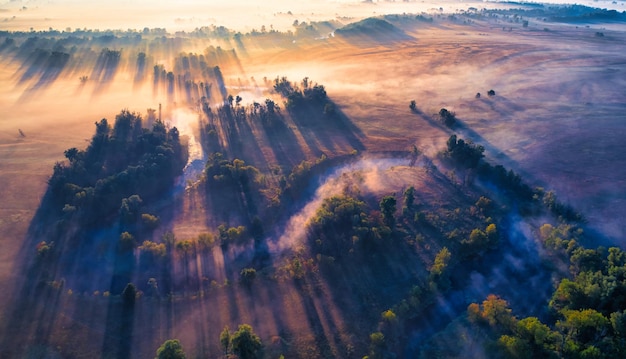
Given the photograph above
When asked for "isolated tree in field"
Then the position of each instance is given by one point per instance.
(448, 118)
(245, 343)
(413, 105)
(170, 349)
(388, 209)
(491, 93)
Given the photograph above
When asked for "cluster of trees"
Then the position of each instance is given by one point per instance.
(509, 181)
(220, 171)
(268, 113)
(464, 153)
(308, 97)
(587, 311)
(124, 166)
(244, 343)
(113, 184)
(469, 155)
(343, 225)
(233, 184)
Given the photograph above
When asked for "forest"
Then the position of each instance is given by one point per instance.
(112, 202)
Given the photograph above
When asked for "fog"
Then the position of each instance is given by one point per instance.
(243, 15)
(368, 175)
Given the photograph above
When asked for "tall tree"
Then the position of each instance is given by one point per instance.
(170, 349)
(246, 343)
(388, 209)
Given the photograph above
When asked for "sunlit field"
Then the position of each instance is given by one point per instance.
(169, 170)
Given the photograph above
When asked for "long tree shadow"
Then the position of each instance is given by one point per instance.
(118, 336)
(326, 126)
(322, 344)
(44, 69)
(105, 69)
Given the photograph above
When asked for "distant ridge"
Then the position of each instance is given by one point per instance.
(372, 29)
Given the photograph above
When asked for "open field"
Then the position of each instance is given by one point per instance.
(556, 118)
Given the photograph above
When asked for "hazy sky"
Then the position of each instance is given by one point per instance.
(242, 15)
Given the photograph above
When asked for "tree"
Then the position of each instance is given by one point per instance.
(128, 294)
(170, 349)
(496, 311)
(438, 270)
(206, 241)
(585, 326)
(247, 275)
(149, 221)
(484, 204)
(225, 338)
(491, 93)
(378, 347)
(245, 342)
(413, 105)
(492, 233)
(127, 241)
(448, 118)
(388, 209)
(71, 154)
(476, 243)
(409, 197)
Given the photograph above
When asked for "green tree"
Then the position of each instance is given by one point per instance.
(127, 241)
(149, 221)
(492, 233)
(247, 275)
(245, 343)
(496, 311)
(484, 204)
(170, 349)
(409, 197)
(378, 346)
(534, 340)
(438, 271)
(225, 339)
(477, 242)
(584, 326)
(206, 241)
(388, 209)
